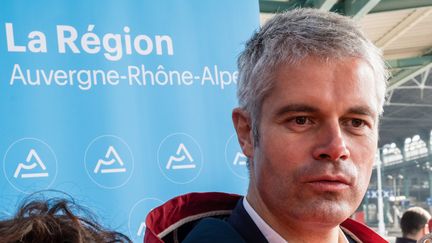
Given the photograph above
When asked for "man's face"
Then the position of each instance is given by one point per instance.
(317, 142)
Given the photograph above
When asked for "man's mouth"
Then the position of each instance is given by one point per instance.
(329, 183)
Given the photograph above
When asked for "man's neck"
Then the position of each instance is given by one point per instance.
(296, 230)
(415, 237)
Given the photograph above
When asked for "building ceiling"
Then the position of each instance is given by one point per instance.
(403, 30)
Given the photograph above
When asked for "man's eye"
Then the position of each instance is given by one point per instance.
(357, 123)
(301, 120)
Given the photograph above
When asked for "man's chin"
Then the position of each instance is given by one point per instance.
(325, 213)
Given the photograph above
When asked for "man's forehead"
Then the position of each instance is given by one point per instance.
(303, 87)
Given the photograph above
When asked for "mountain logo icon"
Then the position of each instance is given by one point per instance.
(32, 162)
(240, 159)
(109, 163)
(141, 229)
(181, 160)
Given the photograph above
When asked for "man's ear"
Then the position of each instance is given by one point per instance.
(243, 126)
(426, 229)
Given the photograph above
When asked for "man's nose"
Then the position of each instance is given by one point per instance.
(331, 144)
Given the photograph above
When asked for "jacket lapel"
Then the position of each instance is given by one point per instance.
(244, 225)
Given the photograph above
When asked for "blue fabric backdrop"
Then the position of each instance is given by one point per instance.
(121, 104)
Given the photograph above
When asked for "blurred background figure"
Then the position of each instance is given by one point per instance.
(414, 225)
(55, 220)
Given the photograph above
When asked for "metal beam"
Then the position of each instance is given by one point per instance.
(409, 62)
(359, 8)
(406, 75)
(324, 4)
(425, 120)
(402, 27)
(393, 5)
(409, 105)
(414, 87)
(274, 6)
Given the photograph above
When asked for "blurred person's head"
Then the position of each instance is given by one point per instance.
(55, 220)
(414, 223)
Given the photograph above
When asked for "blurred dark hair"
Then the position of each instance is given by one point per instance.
(413, 220)
(55, 220)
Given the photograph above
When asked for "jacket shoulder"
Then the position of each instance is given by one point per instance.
(173, 220)
(213, 230)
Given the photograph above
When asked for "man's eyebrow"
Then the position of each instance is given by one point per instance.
(359, 110)
(362, 110)
(296, 108)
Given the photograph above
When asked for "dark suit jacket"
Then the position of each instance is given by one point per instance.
(221, 217)
(404, 240)
(238, 228)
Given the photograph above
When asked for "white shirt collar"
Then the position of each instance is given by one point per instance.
(268, 232)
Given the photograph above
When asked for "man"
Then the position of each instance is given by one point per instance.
(414, 225)
(311, 90)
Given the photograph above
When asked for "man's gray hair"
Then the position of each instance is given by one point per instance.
(290, 37)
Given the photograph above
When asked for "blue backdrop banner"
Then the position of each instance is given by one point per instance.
(121, 104)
